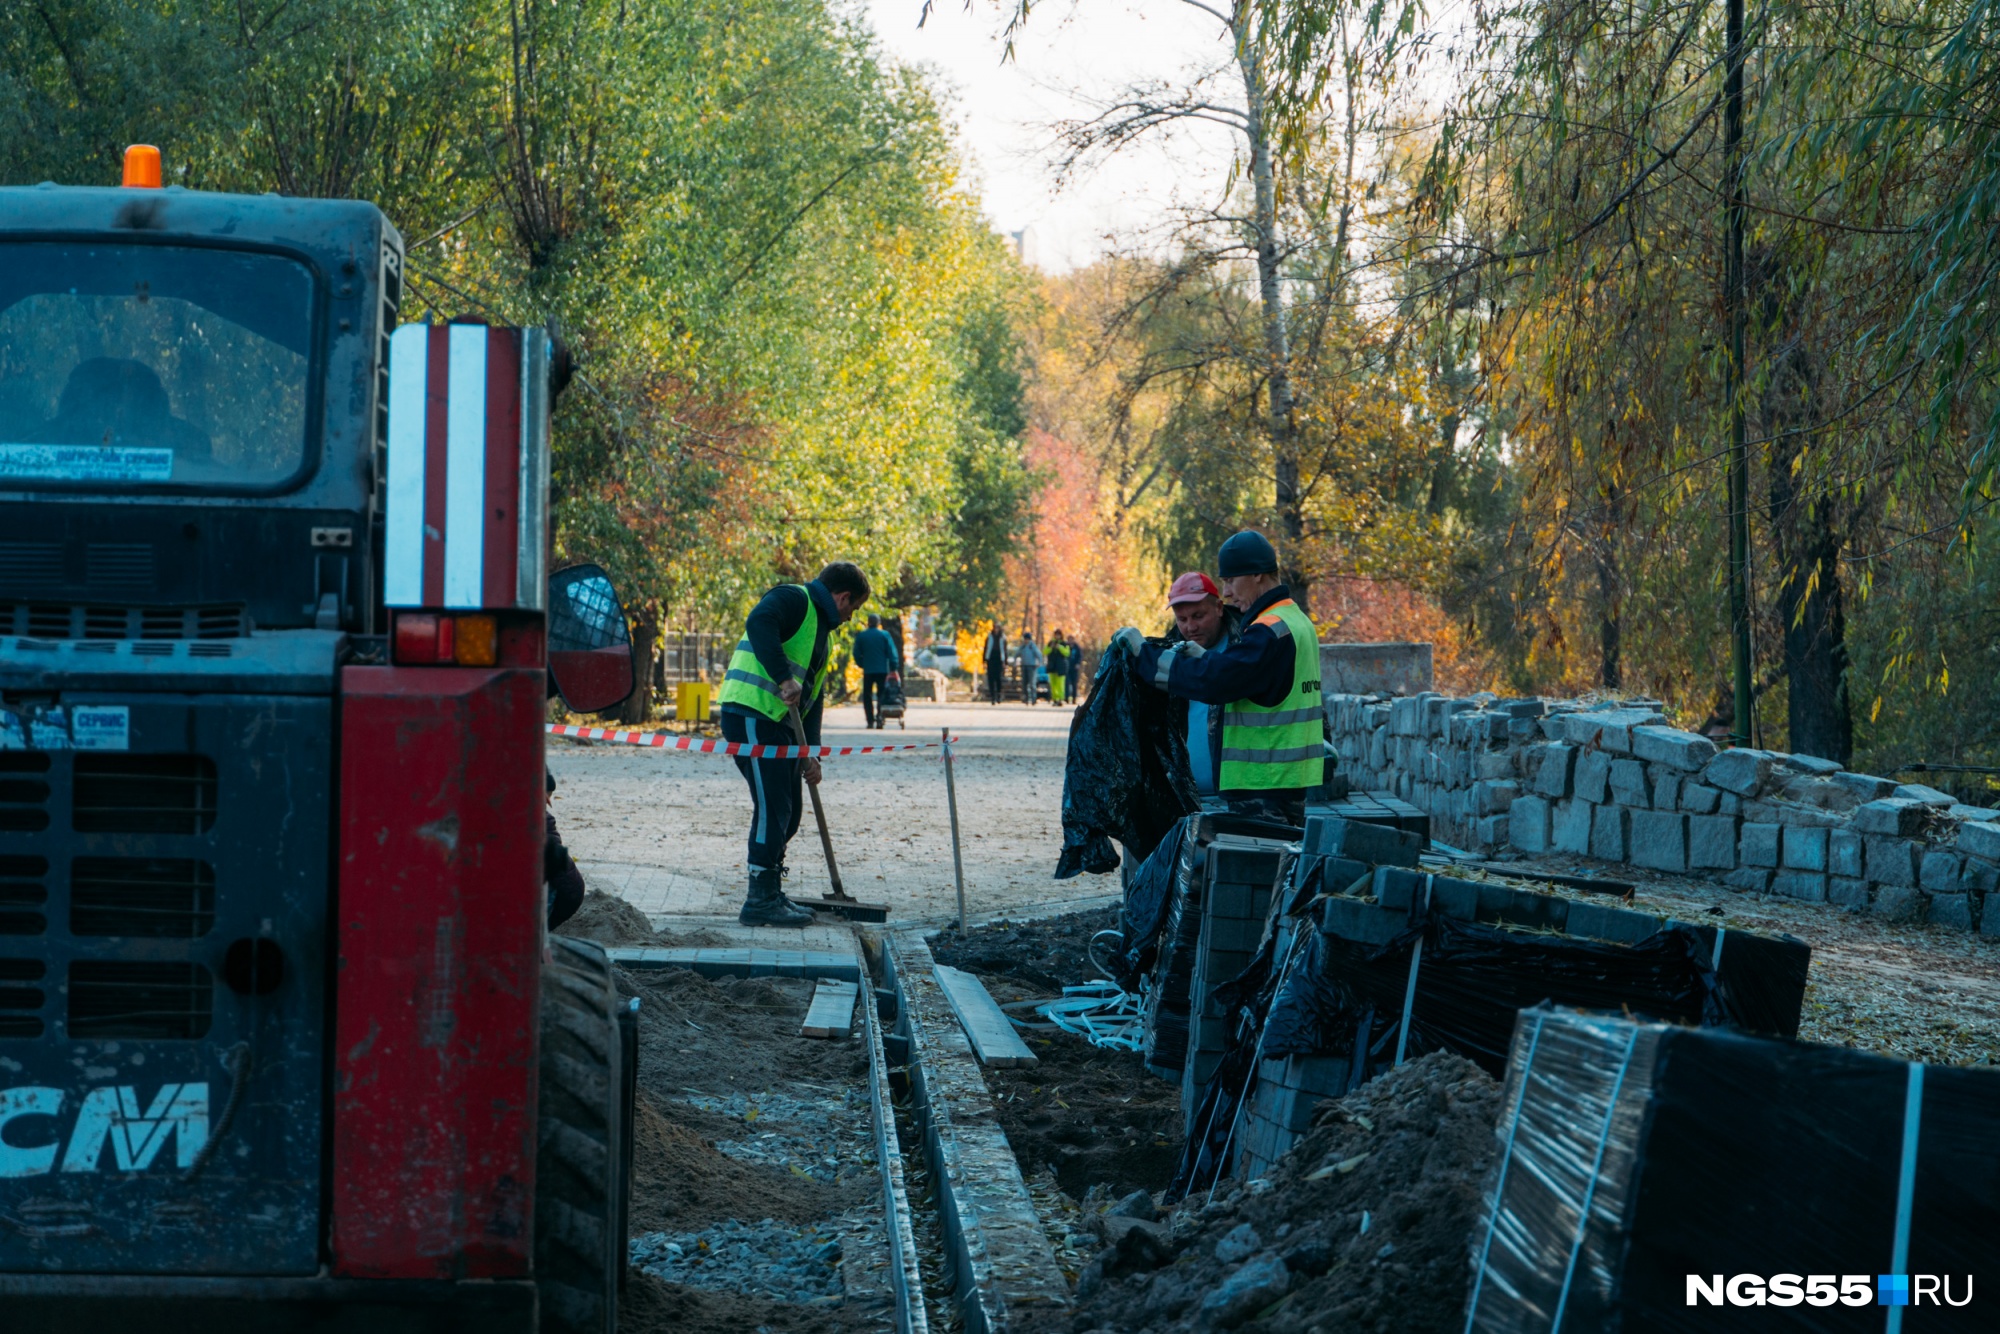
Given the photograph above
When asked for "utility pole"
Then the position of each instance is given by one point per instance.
(1733, 301)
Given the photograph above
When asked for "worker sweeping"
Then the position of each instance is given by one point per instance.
(1266, 684)
(780, 663)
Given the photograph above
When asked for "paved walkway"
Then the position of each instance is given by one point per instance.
(665, 829)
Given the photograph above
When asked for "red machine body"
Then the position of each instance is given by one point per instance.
(438, 975)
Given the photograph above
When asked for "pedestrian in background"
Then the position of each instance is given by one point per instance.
(995, 656)
(1031, 666)
(1057, 654)
(1073, 673)
(880, 660)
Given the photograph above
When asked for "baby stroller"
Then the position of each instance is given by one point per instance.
(889, 702)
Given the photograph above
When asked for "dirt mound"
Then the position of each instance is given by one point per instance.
(651, 1305)
(1364, 1227)
(736, 1035)
(1047, 955)
(683, 1181)
(1091, 1115)
(610, 920)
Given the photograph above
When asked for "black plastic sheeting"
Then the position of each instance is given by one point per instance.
(1472, 980)
(1637, 1155)
(1148, 899)
(1330, 996)
(1127, 776)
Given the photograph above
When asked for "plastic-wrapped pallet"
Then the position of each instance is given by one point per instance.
(1656, 1179)
(1240, 878)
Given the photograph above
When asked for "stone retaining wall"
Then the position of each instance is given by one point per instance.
(1621, 784)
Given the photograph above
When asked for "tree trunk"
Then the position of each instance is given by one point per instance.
(1610, 595)
(638, 706)
(1270, 289)
(1811, 604)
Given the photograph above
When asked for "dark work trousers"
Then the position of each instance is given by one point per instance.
(871, 693)
(996, 682)
(774, 786)
(1027, 685)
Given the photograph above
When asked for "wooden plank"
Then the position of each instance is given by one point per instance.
(831, 1014)
(740, 962)
(988, 1029)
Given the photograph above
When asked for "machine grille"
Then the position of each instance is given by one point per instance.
(143, 794)
(61, 620)
(163, 897)
(119, 567)
(23, 892)
(24, 791)
(139, 1001)
(21, 998)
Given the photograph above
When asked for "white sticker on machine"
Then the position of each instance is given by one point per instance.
(100, 727)
(86, 463)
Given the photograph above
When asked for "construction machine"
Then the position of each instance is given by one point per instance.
(285, 1043)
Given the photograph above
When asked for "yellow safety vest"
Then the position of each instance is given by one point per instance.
(1283, 745)
(746, 684)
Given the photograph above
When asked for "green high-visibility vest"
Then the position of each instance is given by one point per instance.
(1282, 746)
(746, 684)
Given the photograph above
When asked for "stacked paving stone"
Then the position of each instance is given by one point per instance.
(1242, 875)
(1621, 784)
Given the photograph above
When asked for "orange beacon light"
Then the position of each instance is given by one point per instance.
(142, 167)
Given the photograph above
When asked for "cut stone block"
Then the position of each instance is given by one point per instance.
(1899, 903)
(1897, 816)
(1743, 771)
(1659, 840)
(1843, 853)
(1593, 776)
(1699, 799)
(1800, 885)
(1811, 764)
(1712, 842)
(1493, 796)
(1847, 892)
(1892, 861)
(1805, 849)
(1553, 777)
(1938, 872)
(1570, 829)
(1760, 844)
(1607, 833)
(1866, 786)
(1528, 824)
(1981, 839)
(1749, 879)
(1601, 922)
(1687, 751)
(1666, 790)
(1491, 830)
(1628, 784)
(1982, 877)
(1610, 729)
(1918, 792)
(1952, 910)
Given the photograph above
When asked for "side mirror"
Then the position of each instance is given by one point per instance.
(590, 653)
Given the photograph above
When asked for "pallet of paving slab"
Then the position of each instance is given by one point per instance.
(831, 1014)
(988, 1029)
(741, 962)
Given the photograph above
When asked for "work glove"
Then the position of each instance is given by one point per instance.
(1130, 639)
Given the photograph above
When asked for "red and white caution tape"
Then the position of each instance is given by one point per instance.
(708, 746)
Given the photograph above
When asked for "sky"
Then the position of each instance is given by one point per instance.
(1070, 56)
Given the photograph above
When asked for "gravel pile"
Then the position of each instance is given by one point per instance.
(830, 1138)
(768, 1259)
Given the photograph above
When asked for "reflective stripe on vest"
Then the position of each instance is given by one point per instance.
(1283, 746)
(746, 684)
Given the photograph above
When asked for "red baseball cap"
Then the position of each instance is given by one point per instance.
(1192, 588)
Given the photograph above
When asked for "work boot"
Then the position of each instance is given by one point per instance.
(766, 904)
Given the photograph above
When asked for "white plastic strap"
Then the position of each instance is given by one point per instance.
(1906, 1183)
(1715, 959)
(1410, 989)
(1500, 1183)
(1590, 1191)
